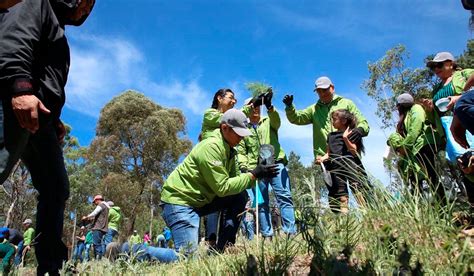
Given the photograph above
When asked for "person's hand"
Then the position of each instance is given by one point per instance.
(469, 167)
(26, 109)
(356, 135)
(28, 247)
(84, 218)
(244, 170)
(452, 101)
(265, 171)
(459, 132)
(6, 4)
(267, 99)
(321, 159)
(427, 104)
(346, 133)
(288, 100)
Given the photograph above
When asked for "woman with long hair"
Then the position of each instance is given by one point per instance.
(415, 142)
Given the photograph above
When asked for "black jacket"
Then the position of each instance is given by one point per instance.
(34, 53)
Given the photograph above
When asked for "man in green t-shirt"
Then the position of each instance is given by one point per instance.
(25, 245)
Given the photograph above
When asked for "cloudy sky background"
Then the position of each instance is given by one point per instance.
(179, 53)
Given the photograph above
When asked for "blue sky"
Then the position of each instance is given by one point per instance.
(179, 53)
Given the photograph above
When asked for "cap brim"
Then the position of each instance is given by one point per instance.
(242, 132)
(322, 87)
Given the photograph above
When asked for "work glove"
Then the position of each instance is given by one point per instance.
(267, 99)
(288, 100)
(257, 100)
(265, 171)
(356, 135)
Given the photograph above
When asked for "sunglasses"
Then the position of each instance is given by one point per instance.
(437, 65)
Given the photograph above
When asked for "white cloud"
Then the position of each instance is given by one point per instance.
(103, 67)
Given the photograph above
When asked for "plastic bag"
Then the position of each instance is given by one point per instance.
(453, 149)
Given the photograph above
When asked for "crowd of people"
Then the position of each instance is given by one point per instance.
(227, 177)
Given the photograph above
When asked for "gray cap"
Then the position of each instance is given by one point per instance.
(110, 203)
(28, 221)
(322, 82)
(237, 120)
(248, 100)
(440, 57)
(405, 99)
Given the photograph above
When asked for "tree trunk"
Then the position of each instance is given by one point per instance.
(10, 212)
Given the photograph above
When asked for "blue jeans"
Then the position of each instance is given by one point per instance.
(184, 221)
(97, 237)
(19, 253)
(42, 154)
(150, 253)
(464, 110)
(88, 251)
(78, 251)
(109, 237)
(247, 226)
(281, 188)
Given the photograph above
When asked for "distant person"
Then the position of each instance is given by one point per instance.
(135, 238)
(147, 238)
(7, 251)
(207, 181)
(88, 243)
(34, 66)
(264, 132)
(342, 159)
(415, 142)
(248, 221)
(15, 236)
(318, 115)
(115, 218)
(161, 241)
(25, 246)
(80, 244)
(99, 218)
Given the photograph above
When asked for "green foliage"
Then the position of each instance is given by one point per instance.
(138, 144)
(466, 59)
(388, 78)
(257, 88)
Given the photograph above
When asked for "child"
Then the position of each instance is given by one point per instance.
(343, 160)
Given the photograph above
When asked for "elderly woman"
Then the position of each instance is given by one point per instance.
(415, 143)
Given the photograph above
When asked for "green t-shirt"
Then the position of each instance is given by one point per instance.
(28, 236)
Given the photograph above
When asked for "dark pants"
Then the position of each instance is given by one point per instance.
(42, 155)
(346, 170)
(464, 110)
(426, 158)
(97, 240)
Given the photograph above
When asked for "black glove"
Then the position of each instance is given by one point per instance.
(265, 171)
(356, 135)
(288, 100)
(257, 100)
(267, 99)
